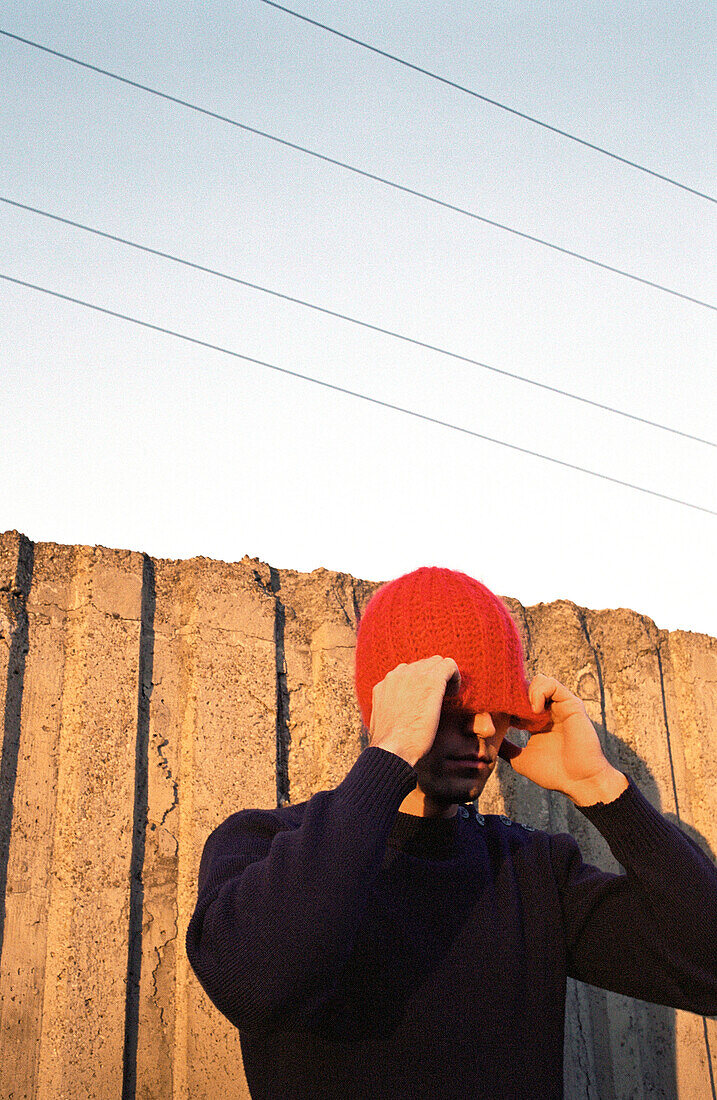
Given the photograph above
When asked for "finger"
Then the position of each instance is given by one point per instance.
(539, 692)
(508, 750)
(537, 700)
(453, 682)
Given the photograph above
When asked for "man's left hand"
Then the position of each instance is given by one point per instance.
(568, 756)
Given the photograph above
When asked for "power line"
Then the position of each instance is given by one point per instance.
(344, 317)
(486, 99)
(351, 393)
(362, 172)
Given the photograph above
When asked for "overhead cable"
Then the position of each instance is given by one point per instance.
(486, 99)
(362, 172)
(351, 393)
(344, 317)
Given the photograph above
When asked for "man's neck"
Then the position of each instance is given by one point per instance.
(420, 805)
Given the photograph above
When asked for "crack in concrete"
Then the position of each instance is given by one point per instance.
(341, 605)
(197, 628)
(262, 583)
(159, 950)
(164, 764)
(256, 699)
(77, 607)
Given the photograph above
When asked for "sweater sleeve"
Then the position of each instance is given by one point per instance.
(651, 932)
(276, 915)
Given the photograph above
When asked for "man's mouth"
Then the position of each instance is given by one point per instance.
(477, 763)
(471, 756)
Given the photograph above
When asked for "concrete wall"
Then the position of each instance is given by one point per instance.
(145, 700)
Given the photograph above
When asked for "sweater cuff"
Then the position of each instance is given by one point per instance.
(630, 823)
(378, 782)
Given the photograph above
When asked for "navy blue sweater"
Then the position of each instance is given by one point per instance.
(365, 952)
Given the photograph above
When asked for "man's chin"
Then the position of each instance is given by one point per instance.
(452, 790)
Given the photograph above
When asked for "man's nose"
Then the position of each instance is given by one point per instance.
(482, 725)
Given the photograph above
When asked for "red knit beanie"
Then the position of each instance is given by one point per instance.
(436, 610)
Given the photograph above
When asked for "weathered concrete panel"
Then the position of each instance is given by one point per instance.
(214, 722)
(82, 1030)
(319, 639)
(31, 690)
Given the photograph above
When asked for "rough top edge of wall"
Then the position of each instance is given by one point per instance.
(13, 536)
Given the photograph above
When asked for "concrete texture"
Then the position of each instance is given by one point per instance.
(145, 700)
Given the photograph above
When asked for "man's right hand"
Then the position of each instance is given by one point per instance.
(406, 706)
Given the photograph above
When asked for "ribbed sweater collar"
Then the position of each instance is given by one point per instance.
(430, 837)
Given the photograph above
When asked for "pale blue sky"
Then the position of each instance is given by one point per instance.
(119, 436)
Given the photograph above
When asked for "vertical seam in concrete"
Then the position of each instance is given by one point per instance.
(528, 655)
(186, 884)
(139, 831)
(709, 1058)
(667, 731)
(357, 612)
(341, 603)
(283, 737)
(677, 811)
(527, 627)
(19, 646)
(582, 1047)
(583, 622)
(364, 736)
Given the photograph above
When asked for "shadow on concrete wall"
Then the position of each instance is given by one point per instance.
(139, 831)
(654, 1024)
(19, 646)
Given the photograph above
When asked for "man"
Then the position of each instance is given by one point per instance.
(384, 940)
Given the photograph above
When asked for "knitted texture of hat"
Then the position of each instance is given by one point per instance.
(434, 610)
